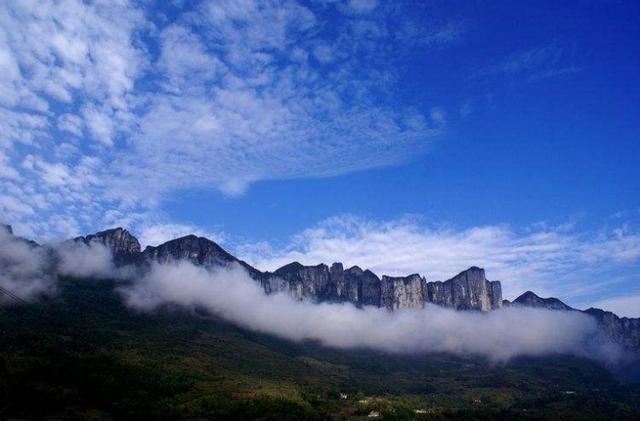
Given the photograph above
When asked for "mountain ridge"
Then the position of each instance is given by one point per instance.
(468, 290)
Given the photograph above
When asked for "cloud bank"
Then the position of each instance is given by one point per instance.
(498, 335)
(24, 269)
(28, 271)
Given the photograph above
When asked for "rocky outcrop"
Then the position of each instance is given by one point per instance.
(312, 282)
(367, 284)
(323, 283)
(7, 232)
(623, 330)
(469, 290)
(529, 299)
(402, 292)
(124, 246)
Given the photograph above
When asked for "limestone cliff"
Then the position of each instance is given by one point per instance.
(402, 292)
(469, 290)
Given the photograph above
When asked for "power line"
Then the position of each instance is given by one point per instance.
(11, 295)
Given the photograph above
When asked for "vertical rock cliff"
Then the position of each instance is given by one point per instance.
(402, 292)
(469, 290)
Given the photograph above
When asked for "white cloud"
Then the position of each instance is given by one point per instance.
(252, 109)
(61, 51)
(24, 268)
(552, 261)
(532, 65)
(71, 123)
(82, 260)
(361, 6)
(222, 96)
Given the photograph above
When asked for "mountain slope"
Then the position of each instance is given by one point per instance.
(469, 290)
(623, 330)
(83, 354)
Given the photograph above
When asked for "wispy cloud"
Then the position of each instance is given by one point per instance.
(558, 261)
(532, 65)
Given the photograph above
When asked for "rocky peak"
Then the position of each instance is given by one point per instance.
(118, 240)
(292, 267)
(530, 299)
(402, 291)
(198, 250)
(337, 268)
(324, 283)
(354, 270)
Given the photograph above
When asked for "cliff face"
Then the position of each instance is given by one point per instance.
(122, 244)
(402, 292)
(623, 330)
(469, 290)
(197, 250)
(323, 283)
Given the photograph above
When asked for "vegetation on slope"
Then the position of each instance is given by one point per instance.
(82, 354)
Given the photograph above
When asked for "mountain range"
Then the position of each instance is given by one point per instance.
(84, 353)
(468, 290)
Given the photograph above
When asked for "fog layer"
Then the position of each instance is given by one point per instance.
(28, 270)
(498, 335)
(24, 269)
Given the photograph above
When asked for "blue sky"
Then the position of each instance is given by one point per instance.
(402, 136)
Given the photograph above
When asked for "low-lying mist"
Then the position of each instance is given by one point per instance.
(24, 269)
(498, 335)
(28, 271)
